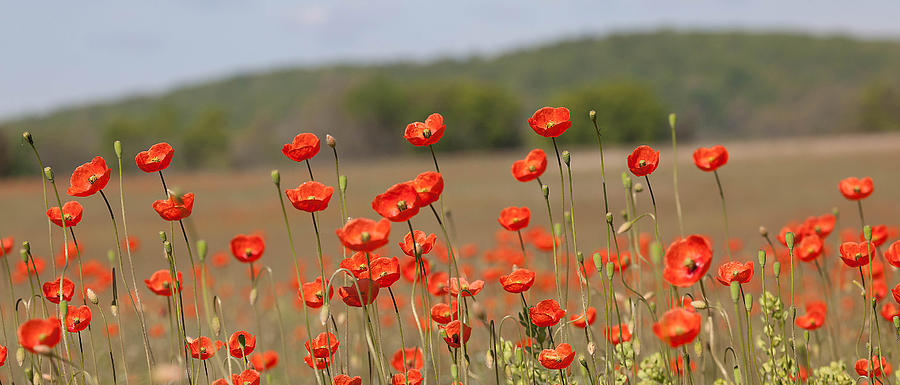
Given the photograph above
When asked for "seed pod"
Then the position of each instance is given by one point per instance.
(789, 240)
(201, 249)
(276, 177)
(330, 140)
(92, 296)
(761, 257)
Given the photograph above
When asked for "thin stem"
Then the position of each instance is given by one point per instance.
(724, 213)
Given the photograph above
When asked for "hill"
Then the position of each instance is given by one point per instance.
(722, 85)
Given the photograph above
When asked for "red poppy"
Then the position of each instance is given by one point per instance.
(733, 271)
(439, 283)
(423, 243)
(71, 211)
(247, 248)
(412, 377)
(890, 310)
(303, 147)
(247, 377)
(453, 331)
(411, 358)
(821, 226)
(358, 263)
(546, 313)
(39, 335)
(880, 235)
(317, 363)
(809, 248)
(518, 281)
(368, 291)
(580, 321)
(384, 271)
(399, 203)
(643, 160)
(814, 318)
(557, 359)
(311, 293)
(463, 287)
(264, 361)
(855, 254)
(617, 334)
(324, 345)
(687, 260)
(363, 234)
(514, 218)
(677, 327)
(160, 282)
(203, 348)
(175, 208)
(429, 185)
(710, 159)
(895, 292)
(880, 367)
(157, 158)
(51, 290)
(89, 178)
(238, 349)
(6, 245)
(310, 196)
(343, 379)
(855, 189)
(443, 313)
(77, 318)
(2, 355)
(550, 122)
(530, 168)
(892, 254)
(425, 134)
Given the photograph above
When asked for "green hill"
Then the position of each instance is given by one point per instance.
(721, 84)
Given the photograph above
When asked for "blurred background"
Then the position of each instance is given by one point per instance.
(228, 82)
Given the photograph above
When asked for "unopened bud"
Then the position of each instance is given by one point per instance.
(656, 253)
(201, 250)
(834, 211)
(638, 187)
(598, 261)
(867, 233)
(776, 269)
(896, 321)
(735, 291)
(566, 156)
(342, 183)
(92, 296)
(610, 269)
(546, 190)
(24, 254)
(698, 304)
(763, 231)
(593, 116)
(26, 246)
(672, 120)
(27, 136)
(48, 173)
(117, 145)
(609, 218)
(330, 140)
(162, 236)
(216, 326)
(168, 247)
(20, 356)
(748, 301)
(626, 181)
(276, 177)
(114, 310)
(789, 240)
(761, 257)
(254, 294)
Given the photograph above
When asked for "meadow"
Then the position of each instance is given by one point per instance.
(768, 183)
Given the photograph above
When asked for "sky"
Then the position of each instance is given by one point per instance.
(75, 53)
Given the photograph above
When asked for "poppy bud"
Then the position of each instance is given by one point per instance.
(27, 136)
(201, 250)
(546, 190)
(698, 304)
(609, 218)
(566, 156)
(610, 269)
(111, 256)
(162, 236)
(761, 256)
(254, 294)
(216, 326)
(20, 355)
(276, 177)
(117, 145)
(834, 210)
(48, 173)
(672, 120)
(897, 322)
(330, 140)
(652, 307)
(168, 247)
(26, 246)
(454, 372)
(776, 269)
(624, 227)
(763, 231)
(323, 315)
(579, 256)
(626, 181)
(92, 296)
(342, 183)
(748, 301)
(638, 187)
(24, 254)
(593, 115)
(737, 375)
(114, 310)
(598, 261)
(867, 233)
(557, 229)
(735, 291)
(789, 240)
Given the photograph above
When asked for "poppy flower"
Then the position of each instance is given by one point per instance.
(363, 234)
(550, 122)
(412, 377)
(343, 379)
(358, 263)
(439, 283)
(411, 358)
(821, 225)
(856, 189)
(384, 271)
(51, 290)
(423, 243)
(617, 334)
(643, 160)
(247, 377)
(368, 291)
(892, 254)
(71, 212)
(855, 254)
(880, 235)
(530, 168)
(429, 186)
(895, 292)
(889, 310)
(264, 361)
(39, 335)
(160, 282)
(324, 345)
(514, 218)
(687, 260)
(677, 327)
(546, 313)
(464, 287)
(311, 293)
(710, 159)
(157, 158)
(733, 271)
(399, 203)
(89, 178)
(580, 321)
(317, 363)
(303, 147)
(6, 245)
(880, 367)
(456, 333)
(310, 196)
(809, 248)
(247, 248)
(443, 313)
(518, 281)
(175, 208)
(814, 318)
(238, 349)
(425, 134)
(77, 318)
(557, 359)
(203, 348)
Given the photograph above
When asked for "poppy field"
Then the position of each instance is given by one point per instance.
(667, 263)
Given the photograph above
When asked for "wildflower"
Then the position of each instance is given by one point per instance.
(38, 335)
(429, 185)
(411, 358)
(514, 218)
(855, 254)
(363, 234)
(160, 282)
(559, 358)
(733, 271)
(710, 159)
(880, 367)
(238, 349)
(809, 248)
(617, 334)
(423, 243)
(311, 293)
(343, 379)
(310, 196)
(52, 292)
(78, 318)
(324, 345)
(443, 313)
(677, 327)
(399, 203)
(303, 147)
(550, 122)
(175, 208)
(384, 271)
(546, 313)
(464, 287)
(368, 291)
(71, 212)
(687, 260)
(856, 189)
(425, 134)
(518, 281)
(264, 361)
(89, 178)
(411, 377)
(247, 248)
(247, 377)
(814, 317)
(643, 160)
(456, 333)
(157, 158)
(580, 321)
(203, 348)
(530, 168)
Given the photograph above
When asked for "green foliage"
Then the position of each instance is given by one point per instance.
(879, 108)
(653, 371)
(833, 374)
(205, 142)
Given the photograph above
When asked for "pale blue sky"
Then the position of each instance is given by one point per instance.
(79, 52)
